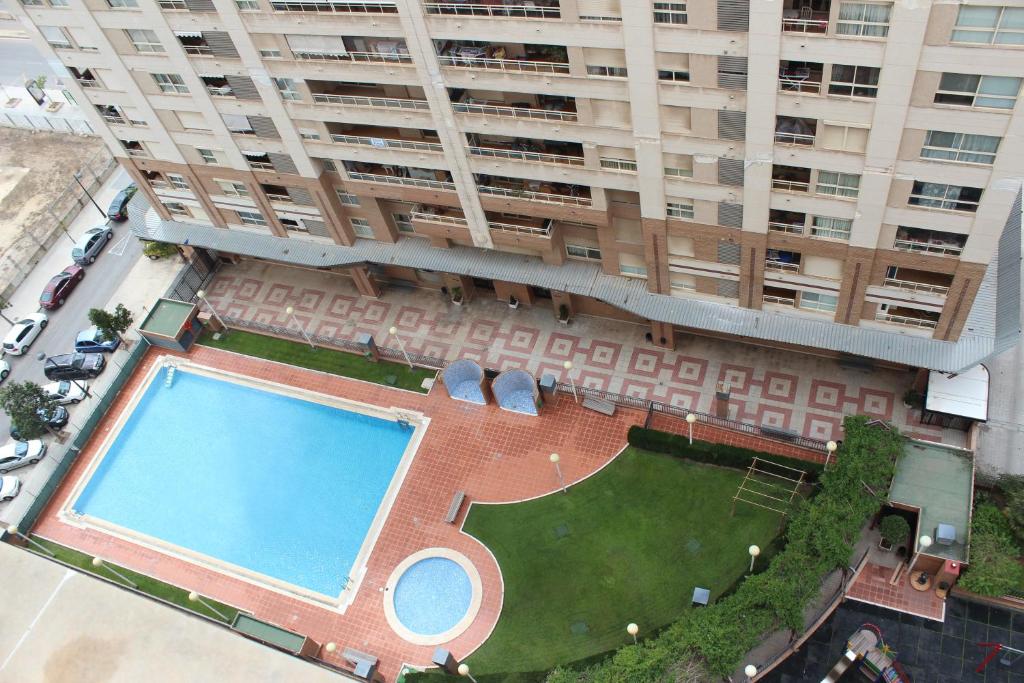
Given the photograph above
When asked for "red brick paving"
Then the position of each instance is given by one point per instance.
(491, 454)
(872, 585)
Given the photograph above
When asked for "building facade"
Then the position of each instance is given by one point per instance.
(841, 162)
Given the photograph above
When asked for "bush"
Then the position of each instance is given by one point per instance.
(712, 453)
(994, 569)
(1012, 488)
(894, 529)
(157, 250)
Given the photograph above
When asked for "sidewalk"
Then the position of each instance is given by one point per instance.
(807, 394)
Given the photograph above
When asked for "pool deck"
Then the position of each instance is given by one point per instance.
(493, 455)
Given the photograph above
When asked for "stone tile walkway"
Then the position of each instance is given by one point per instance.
(796, 391)
(872, 586)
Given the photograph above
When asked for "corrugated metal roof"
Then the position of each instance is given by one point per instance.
(993, 324)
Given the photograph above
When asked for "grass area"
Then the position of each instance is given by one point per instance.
(627, 545)
(324, 360)
(146, 584)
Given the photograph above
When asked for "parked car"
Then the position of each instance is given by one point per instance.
(9, 487)
(20, 453)
(5, 369)
(23, 333)
(60, 285)
(56, 419)
(65, 392)
(118, 210)
(90, 340)
(74, 366)
(91, 243)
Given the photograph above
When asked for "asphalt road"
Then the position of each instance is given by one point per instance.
(102, 278)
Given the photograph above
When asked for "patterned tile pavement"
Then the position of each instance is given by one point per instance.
(872, 586)
(796, 391)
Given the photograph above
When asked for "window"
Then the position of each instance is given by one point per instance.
(232, 188)
(824, 227)
(170, 83)
(122, 3)
(632, 266)
(308, 134)
(172, 4)
(862, 19)
(176, 208)
(248, 5)
(609, 71)
(292, 224)
(989, 25)
(270, 53)
(55, 36)
(667, 75)
(679, 172)
(627, 165)
(238, 124)
(251, 218)
(948, 197)
(361, 227)
(844, 138)
(813, 301)
(58, 3)
(177, 181)
(854, 81)
(144, 40)
(670, 13)
(403, 222)
(837, 184)
(961, 147)
(677, 210)
(966, 90)
(287, 88)
(347, 199)
(207, 155)
(581, 252)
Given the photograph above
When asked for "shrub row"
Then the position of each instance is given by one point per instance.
(994, 569)
(713, 453)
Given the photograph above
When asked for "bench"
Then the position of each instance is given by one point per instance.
(364, 665)
(453, 509)
(600, 405)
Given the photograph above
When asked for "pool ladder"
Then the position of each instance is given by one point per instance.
(170, 375)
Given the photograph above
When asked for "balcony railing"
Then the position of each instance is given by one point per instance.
(515, 11)
(420, 215)
(798, 84)
(536, 231)
(927, 248)
(366, 57)
(516, 65)
(398, 180)
(793, 138)
(88, 83)
(385, 143)
(525, 156)
(781, 300)
(624, 165)
(172, 4)
(535, 196)
(514, 112)
(115, 119)
(791, 228)
(904, 320)
(327, 7)
(280, 198)
(202, 50)
(797, 25)
(915, 286)
(221, 91)
(363, 101)
(138, 153)
(790, 185)
(261, 165)
(783, 266)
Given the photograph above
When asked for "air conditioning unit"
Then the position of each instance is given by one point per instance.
(945, 534)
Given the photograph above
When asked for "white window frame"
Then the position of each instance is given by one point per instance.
(63, 44)
(232, 188)
(988, 34)
(607, 71)
(362, 228)
(678, 172)
(828, 228)
(298, 227)
(844, 185)
(582, 252)
(624, 165)
(177, 181)
(209, 156)
(251, 218)
(853, 84)
(149, 42)
(861, 27)
(670, 13)
(673, 75)
(347, 198)
(816, 301)
(679, 210)
(123, 4)
(956, 152)
(247, 5)
(633, 271)
(270, 53)
(403, 223)
(946, 200)
(286, 86)
(989, 100)
(170, 84)
(176, 208)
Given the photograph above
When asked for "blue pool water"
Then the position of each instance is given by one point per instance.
(432, 596)
(277, 485)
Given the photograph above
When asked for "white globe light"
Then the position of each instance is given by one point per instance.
(289, 310)
(925, 541)
(831, 446)
(463, 669)
(750, 670)
(201, 293)
(331, 647)
(554, 457)
(691, 418)
(632, 629)
(97, 562)
(754, 551)
(567, 365)
(393, 330)
(193, 597)
(13, 529)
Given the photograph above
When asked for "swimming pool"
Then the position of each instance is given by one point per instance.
(247, 474)
(432, 596)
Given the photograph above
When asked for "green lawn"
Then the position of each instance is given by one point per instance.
(627, 545)
(326, 360)
(146, 584)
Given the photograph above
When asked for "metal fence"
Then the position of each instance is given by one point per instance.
(195, 275)
(58, 124)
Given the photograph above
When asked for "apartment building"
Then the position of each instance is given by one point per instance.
(832, 175)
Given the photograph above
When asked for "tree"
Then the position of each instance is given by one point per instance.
(24, 403)
(894, 529)
(112, 325)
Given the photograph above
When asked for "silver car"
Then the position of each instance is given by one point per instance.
(9, 487)
(91, 243)
(20, 453)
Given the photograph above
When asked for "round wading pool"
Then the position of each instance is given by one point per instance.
(432, 596)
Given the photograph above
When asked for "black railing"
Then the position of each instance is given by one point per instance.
(195, 275)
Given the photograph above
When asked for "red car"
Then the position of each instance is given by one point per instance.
(59, 286)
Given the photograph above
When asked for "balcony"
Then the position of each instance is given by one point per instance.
(217, 86)
(782, 261)
(908, 317)
(349, 49)
(511, 57)
(789, 222)
(438, 214)
(328, 7)
(790, 130)
(194, 44)
(84, 77)
(923, 241)
(779, 296)
(801, 16)
(173, 5)
(519, 225)
(800, 77)
(408, 176)
(791, 179)
(918, 281)
(380, 137)
(522, 149)
(532, 190)
(521, 106)
(111, 114)
(536, 9)
(355, 95)
(277, 193)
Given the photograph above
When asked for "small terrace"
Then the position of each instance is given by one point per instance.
(364, 95)
(527, 9)
(438, 214)
(534, 190)
(790, 222)
(519, 225)
(908, 317)
(513, 57)
(526, 149)
(912, 280)
(349, 49)
(782, 261)
(410, 176)
(779, 296)
(277, 193)
(514, 105)
(84, 77)
(194, 43)
(805, 16)
(217, 86)
(805, 77)
(258, 161)
(791, 178)
(329, 7)
(924, 241)
(790, 130)
(383, 137)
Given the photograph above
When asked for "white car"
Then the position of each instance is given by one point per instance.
(5, 369)
(24, 333)
(9, 487)
(20, 453)
(65, 392)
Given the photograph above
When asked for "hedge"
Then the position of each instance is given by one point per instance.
(713, 453)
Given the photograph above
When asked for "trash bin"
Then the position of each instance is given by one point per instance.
(548, 384)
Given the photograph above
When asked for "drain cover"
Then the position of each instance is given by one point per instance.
(579, 628)
(693, 546)
(561, 531)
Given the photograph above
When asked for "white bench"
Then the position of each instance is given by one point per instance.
(600, 405)
(453, 509)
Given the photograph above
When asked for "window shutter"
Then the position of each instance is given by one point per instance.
(282, 163)
(220, 43)
(733, 15)
(316, 228)
(730, 172)
(732, 125)
(243, 87)
(200, 6)
(729, 216)
(729, 288)
(301, 195)
(732, 72)
(192, 120)
(604, 9)
(264, 127)
(604, 57)
(729, 252)
(82, 37)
